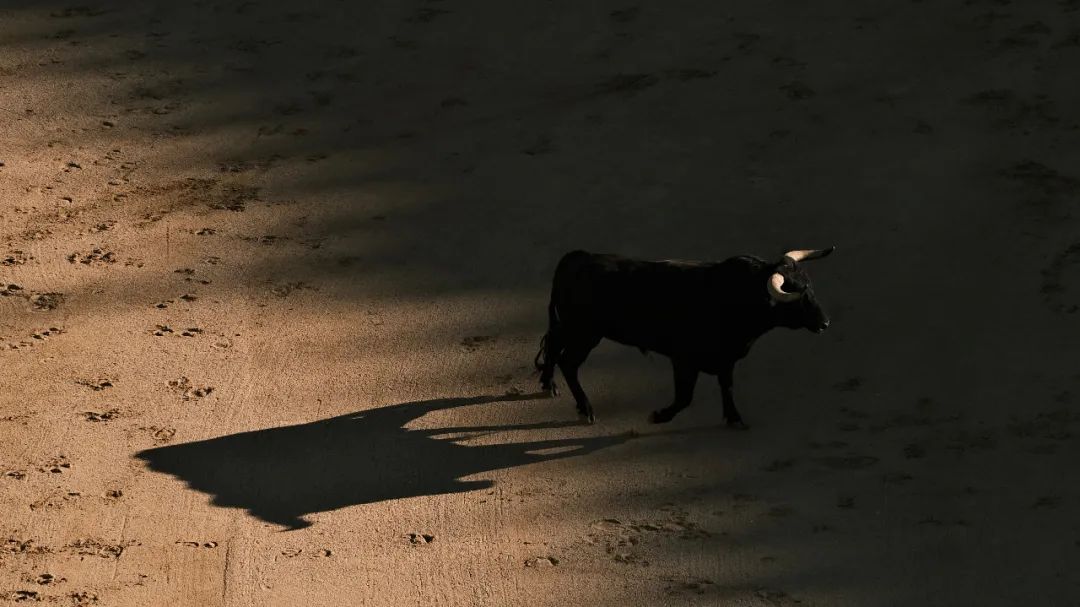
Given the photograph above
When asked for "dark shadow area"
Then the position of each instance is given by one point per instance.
(281, 474)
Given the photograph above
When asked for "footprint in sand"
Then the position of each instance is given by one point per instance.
(83, 598)
(161, 435)
(95, 547)
(541, 561)
(15, 257)
(189, 391)
(283, 290)
(11, 290)
(475, 342)
(55, 465)
(45, 579)
(38, 335)
(420, 539)
(46, 301)
(194, 544)
(96, 256)
(101, 416)
(778, 465)
(96, 384)
(56, 500)
(691, 585)
(165, 330)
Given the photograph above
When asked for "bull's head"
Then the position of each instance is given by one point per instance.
(793, 297)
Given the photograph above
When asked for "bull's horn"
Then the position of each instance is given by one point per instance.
(808, 254)
(776, 289)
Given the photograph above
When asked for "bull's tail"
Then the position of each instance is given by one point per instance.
(550, 349)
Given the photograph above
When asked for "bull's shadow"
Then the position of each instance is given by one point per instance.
(281, 474)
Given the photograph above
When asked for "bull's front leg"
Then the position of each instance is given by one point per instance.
(685, 379)
(731, 414)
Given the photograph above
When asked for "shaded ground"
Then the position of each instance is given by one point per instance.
(257, 257)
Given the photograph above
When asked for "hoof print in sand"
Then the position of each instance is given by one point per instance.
(475, 342)
(693, 585)
(420, 539)
(541, 561)
(94, 547)
(81, 599)
(94, 257)
(47, 301)
(15, 258)
(12, 290)
(189, 391)
(56, 465)
(97, 385)
(45, 579)
(161, 435)
(163, 330)
(193, 544)
(103, 416)
(284, 290)
(17, 546)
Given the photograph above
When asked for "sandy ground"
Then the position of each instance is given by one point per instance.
(274, 274)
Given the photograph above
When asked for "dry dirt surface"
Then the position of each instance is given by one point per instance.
(274, 274)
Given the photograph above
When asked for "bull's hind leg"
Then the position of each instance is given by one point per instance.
(551, 350)
(731, 414)
(570, 361)
(551, 347)
(685, 380)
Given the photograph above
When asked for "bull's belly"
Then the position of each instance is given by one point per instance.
(706, 361)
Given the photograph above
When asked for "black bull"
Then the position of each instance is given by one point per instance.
(704, 316)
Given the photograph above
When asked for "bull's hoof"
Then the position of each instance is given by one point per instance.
(586, 418)
(737, 424)
(660, 417)
(550, 389)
